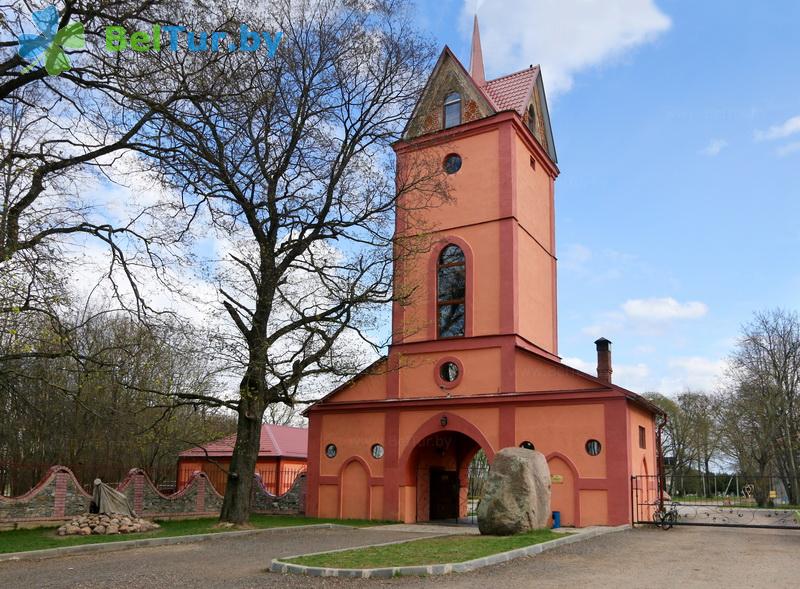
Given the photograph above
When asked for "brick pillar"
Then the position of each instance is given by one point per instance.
(301, 490)
(60, 497)
(314, 453)
(200, 498)
(138, 493)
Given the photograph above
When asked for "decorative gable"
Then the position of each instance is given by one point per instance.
(448, 76)
(541, 126)
(522, 91)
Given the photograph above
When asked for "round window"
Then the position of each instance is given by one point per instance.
(593, 447)
(527, 445)
(452, 163)
(448, 371)
(330, 450)
(377, 451)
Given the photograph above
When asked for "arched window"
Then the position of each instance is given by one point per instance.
(451, 292)
(452, 110)
(532, 119)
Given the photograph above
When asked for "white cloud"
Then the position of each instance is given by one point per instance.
(631, 371)
(673, 376)
(663, 309)
(574, 256)
(597, 266)
(607, 324)
(644, 317)
(565, 36)
(693, 372)
(631, 376)
(645, 349)
(788, 149)
(580, 364)
(787, 128)
(714, 147)
(191, 296)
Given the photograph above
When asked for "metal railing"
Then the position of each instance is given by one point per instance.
(275, 481)
(734, 500)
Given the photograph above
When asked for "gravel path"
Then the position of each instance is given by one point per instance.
(682, 557)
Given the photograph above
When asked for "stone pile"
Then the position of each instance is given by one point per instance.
(108, 524)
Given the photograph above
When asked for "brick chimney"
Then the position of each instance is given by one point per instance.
(604, 360)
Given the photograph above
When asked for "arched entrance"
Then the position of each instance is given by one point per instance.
(443, 446)
(440, 469)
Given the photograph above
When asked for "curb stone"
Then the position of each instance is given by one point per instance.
(279, 566)
(144, 542)
(288, 567)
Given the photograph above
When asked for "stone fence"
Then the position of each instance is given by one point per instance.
(59, 496)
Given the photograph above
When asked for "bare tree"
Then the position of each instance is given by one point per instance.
(283, 414)
(676, 442)
(691, 435)
(765, 389)
(289, 164)
(107, 414)
(701, 411)
(60, 137)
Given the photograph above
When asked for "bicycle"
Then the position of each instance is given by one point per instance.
(665, 518)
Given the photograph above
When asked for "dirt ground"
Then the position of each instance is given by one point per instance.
(682, 557)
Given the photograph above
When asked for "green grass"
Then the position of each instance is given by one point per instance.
(427, 551)
(42, 538)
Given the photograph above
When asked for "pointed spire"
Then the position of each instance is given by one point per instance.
(476, 56)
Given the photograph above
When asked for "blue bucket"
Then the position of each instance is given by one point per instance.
(556, 519)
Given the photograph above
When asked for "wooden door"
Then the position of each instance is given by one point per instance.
(444, 494)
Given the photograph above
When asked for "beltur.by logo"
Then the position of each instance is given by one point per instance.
(48, 47)
(118, 39)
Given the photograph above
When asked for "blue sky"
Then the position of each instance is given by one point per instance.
(678, 213)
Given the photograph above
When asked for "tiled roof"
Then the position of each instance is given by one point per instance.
(512, 92)
(276, 440)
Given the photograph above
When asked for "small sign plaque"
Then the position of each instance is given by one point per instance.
(773, 494)
(557, 479)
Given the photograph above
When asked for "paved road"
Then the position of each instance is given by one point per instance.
(218, 563)
(682, 557)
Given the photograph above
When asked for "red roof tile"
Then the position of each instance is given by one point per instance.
(276, 440)
(512, 92)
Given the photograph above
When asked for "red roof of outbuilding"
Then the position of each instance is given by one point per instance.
(276, 440)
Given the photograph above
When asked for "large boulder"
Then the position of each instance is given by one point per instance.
(516, 496)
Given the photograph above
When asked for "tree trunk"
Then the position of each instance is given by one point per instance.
(760, 488)
(238, 490)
